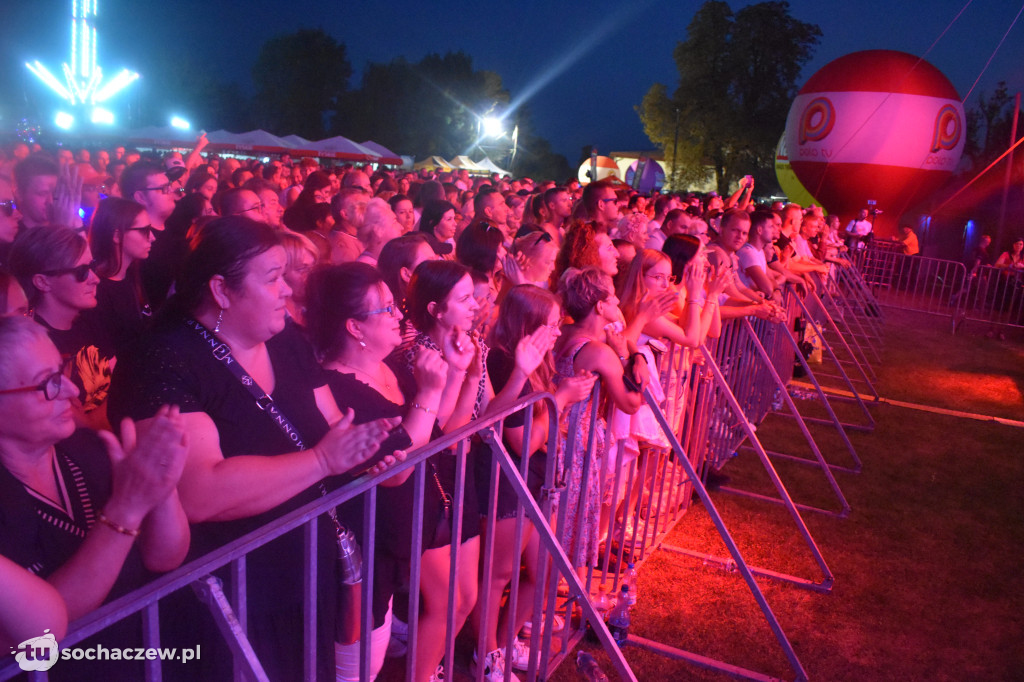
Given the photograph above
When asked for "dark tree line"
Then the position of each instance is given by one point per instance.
(737, 78)
(302, 86)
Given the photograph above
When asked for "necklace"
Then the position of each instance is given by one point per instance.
(373, 380)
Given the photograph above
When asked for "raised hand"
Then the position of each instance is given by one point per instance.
(654, 306)
(575, 388)
(513, 270)
(346, 446)
(532, 349)
(459, 349)
(430, 369)
(68, 198)
(146, 466)
(718, 280)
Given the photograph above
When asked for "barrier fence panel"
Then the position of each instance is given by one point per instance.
(995, 296)
(827, 351)
(825, 327)
(748, 431)
(852, 283)
(850, 326)
(930, 285)
(231, 617)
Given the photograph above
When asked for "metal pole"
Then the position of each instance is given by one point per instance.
(675, 156)
(1009, 171)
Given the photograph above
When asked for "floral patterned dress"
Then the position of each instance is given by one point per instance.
(581, 533)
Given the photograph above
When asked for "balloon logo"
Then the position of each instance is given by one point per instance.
(817, 121)
(947, 129)
(879, 126)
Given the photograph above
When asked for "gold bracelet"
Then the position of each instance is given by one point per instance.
(119, 528)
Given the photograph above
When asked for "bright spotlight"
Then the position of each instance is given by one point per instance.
(64, 120)
(179, 122)
(492, 126)
(102, 116)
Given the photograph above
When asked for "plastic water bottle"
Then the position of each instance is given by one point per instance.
(604, 602)
(631, 580)
(618, 620)
(589, 669)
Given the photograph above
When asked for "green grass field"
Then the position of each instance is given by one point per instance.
(927, 567)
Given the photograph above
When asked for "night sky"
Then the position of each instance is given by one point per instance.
(582, 67)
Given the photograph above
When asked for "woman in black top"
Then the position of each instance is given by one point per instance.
(120, 236)
(54, 266)
(244, 466)
(353, 323)
(75, 509)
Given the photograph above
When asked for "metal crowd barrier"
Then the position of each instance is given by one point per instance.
(229, 609)
(994, 296)
(714, 400)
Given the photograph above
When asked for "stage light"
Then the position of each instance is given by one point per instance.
(102, 116)
(492, 126)
(64, 120)
(179, 122)
(83, 75)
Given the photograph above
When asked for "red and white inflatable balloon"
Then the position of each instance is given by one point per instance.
(875, 125)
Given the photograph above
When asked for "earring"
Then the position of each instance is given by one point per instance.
(362, 345)
(220, 318)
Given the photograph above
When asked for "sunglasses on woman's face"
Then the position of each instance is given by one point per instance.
(147, 231)
(80, 272)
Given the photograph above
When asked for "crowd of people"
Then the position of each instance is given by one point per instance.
(259, 333)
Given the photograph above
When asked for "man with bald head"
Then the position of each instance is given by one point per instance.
(356, 179)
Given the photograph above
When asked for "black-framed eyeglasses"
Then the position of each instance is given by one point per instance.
(166, 189)
(147, 231)
(391, 310)
(257, 207)
(50, 386)
(8, 207)
(80, 272)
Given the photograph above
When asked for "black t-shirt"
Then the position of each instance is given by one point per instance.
(121, 313)
(41, 537)
(89, 351)
(175, 365)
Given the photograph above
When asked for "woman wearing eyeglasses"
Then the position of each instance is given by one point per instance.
(55, 268)
(85, 512)
(354, 324)
(120, 237)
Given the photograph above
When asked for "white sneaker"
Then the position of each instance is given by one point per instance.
(558, 626)
(494, 667)
(520, 658)
(438, 675)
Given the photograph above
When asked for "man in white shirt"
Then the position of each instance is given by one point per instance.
(858, 230)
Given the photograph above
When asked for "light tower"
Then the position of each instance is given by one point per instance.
(83, 84)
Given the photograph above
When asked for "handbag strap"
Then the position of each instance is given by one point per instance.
(222, 352)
